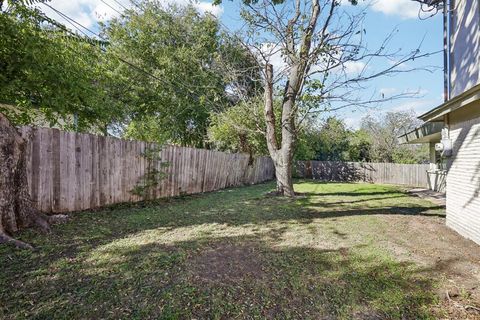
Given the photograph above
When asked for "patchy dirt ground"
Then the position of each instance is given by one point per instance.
(228, 263)
(428, 242)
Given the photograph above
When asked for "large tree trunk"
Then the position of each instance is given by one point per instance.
(300, 60)
(283, 173)
(282, 157)
(17, 211)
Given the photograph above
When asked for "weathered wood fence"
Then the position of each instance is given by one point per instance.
(70, 171)
(414, 175)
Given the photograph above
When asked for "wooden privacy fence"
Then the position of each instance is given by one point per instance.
(414, 175)
(70, 171)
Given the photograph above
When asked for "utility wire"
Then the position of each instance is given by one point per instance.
(121, 14)
(73, 22)
(121, 5)
(125, 61)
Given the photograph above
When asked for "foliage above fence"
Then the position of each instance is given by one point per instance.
(70, 171)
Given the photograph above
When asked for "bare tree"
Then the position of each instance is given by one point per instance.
(321, 62)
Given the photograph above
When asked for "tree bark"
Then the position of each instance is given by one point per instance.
(282, 157)
(17, 211)
(283, 173)
(282, 154)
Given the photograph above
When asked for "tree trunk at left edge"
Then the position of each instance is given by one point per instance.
(17, 211)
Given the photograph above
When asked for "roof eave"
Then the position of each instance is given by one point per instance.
(428, 132)
(457, 102)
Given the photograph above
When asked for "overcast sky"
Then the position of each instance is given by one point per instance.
(383, 16)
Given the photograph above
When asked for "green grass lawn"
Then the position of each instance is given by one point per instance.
(236, 253)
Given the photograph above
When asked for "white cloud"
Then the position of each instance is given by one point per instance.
(85, 12)
(419, 106)
(271, 53)
(353, 122)
(208, 7)
(202, 6)
(405, 9)
(90, 12)
(387, 91)
(354, 67)
(278, 62)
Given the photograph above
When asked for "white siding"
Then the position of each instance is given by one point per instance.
(465, 45)
(463, 179)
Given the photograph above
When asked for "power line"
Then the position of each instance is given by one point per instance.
(132, 65)
(82, 32)
(121, 5)
(177, 84)
(73, 21)
(121, 14)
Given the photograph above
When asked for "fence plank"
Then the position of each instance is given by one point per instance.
(70, 171)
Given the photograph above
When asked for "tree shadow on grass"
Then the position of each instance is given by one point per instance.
(394, 210)
(214, 278)
(138, 279)
(353, 194)
(350, 202)
(235, 207)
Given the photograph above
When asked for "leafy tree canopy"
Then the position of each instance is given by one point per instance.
(238, 129)
(384, 130)
(48, 74)
(180, 77)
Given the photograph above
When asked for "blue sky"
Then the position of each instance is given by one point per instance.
(382, 17)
